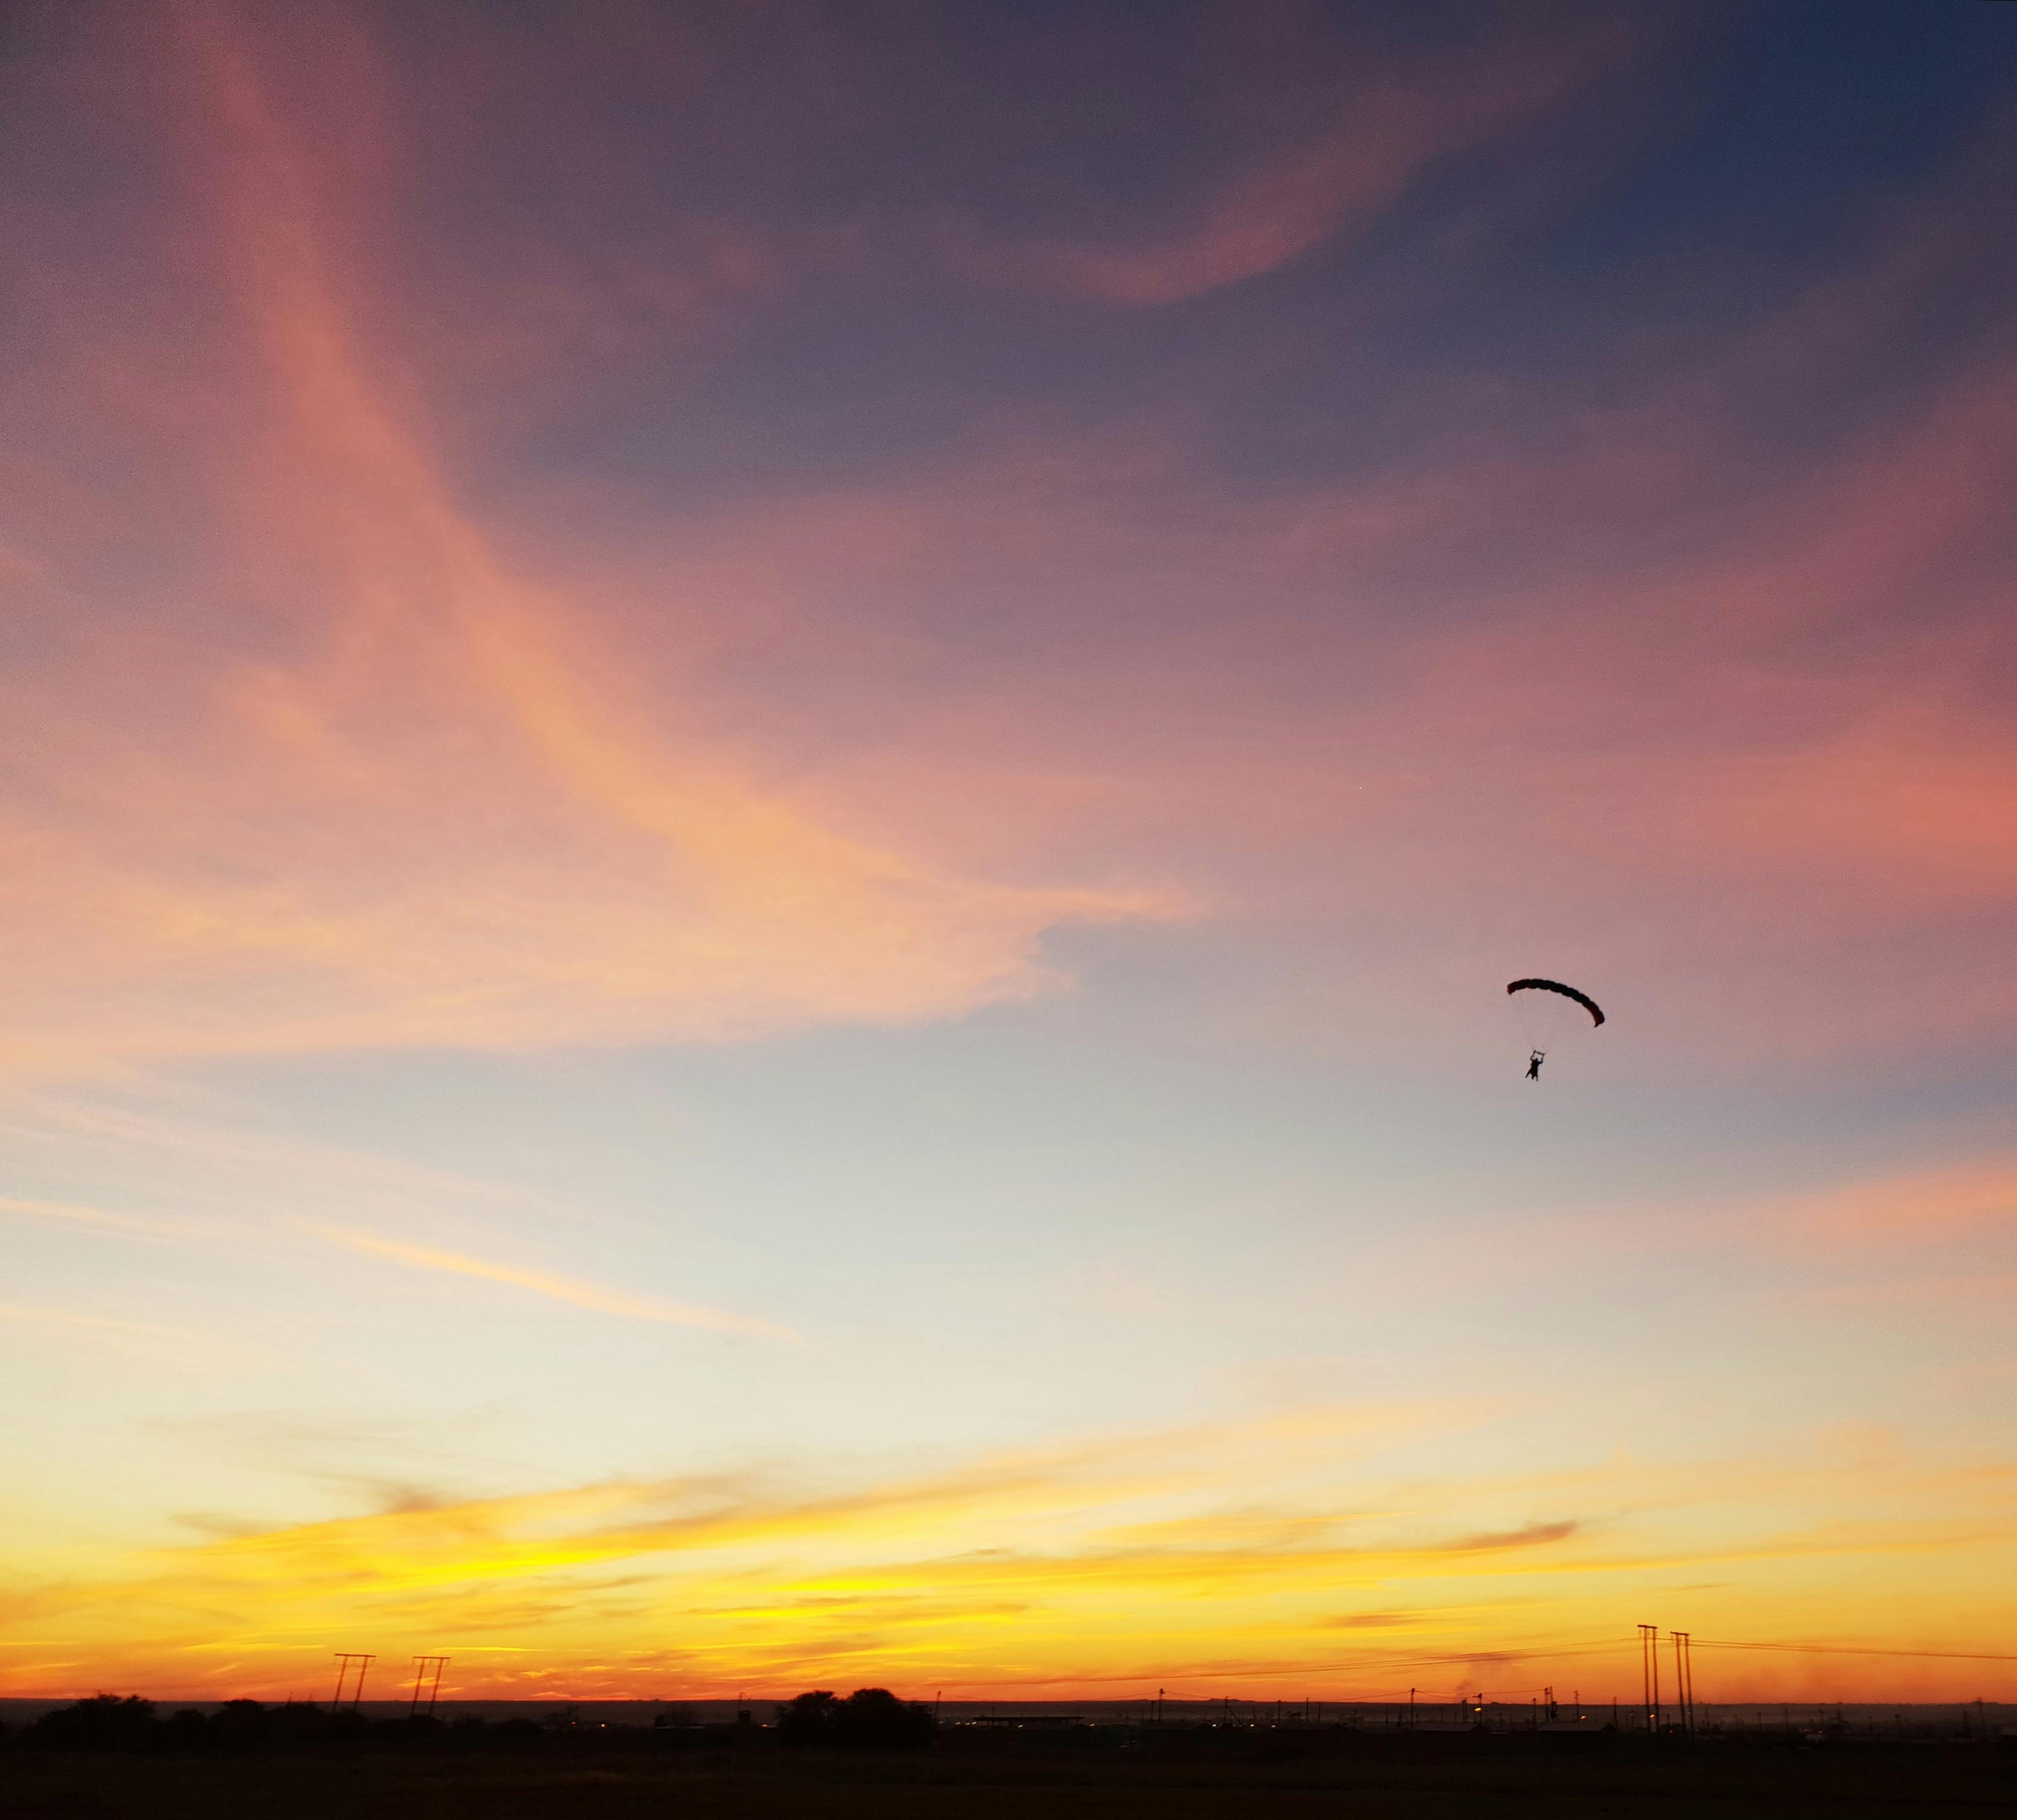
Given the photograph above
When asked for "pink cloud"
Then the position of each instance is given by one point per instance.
(1393, 130)
(429, 811)
(393, 757)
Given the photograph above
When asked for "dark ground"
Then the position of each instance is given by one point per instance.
(1422, 1778)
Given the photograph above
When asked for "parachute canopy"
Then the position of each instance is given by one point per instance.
(1567, 992)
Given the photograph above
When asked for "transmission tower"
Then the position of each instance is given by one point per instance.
(1684, 1678)
(344, 1658)
(422, 1666)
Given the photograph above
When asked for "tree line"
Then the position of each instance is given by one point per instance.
(870, 1718)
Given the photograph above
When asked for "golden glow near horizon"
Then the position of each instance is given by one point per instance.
(750, 934)
(1127, 1563)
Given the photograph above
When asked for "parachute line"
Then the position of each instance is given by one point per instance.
(1567, 992)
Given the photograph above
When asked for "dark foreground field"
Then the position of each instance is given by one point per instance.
(1423, 1777)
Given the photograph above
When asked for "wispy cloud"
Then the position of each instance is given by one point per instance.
(609, 851)
(1395, 130)
(1526, 1536)
(72, 1213)
(1948, 1293)
(557, 1288)
(151, 1338)
(1021, 1568)
(586, 864)
(1916, 1204)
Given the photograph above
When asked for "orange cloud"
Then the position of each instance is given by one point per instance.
(1916, 1204)
(1075, 1567)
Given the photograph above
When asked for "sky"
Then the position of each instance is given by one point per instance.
(766, 773)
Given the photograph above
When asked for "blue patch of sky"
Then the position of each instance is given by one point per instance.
(1797, 113)
(1741, 162)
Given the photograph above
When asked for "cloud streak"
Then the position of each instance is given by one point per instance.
(69, 1213)
(1012, 1569)
(152, 1340)
(1395, 130)
(557, 1288)
(443, 822)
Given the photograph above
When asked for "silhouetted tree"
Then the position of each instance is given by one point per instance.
(870, 1718)
(807, 1721)
(103, 1722)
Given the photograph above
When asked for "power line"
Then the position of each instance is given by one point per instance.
(1481, 1655)
(1852, 1649)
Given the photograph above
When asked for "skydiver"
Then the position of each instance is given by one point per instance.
(1534, 1064)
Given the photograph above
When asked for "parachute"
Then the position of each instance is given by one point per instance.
(1549, 1013)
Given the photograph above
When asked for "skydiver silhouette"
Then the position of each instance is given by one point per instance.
(1534, 1064)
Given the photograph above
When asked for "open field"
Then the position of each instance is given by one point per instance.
(1374, 1778)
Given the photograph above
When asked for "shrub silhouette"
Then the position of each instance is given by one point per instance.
(239, 1719)
(807, 1719)
(870, 1718)
(103, 1722)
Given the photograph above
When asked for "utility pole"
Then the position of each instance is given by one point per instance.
(421, 1665)
(343, 1659)
(1685, 1677)
(1649, 1673)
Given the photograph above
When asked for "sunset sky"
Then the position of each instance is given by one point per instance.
(769, 771)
